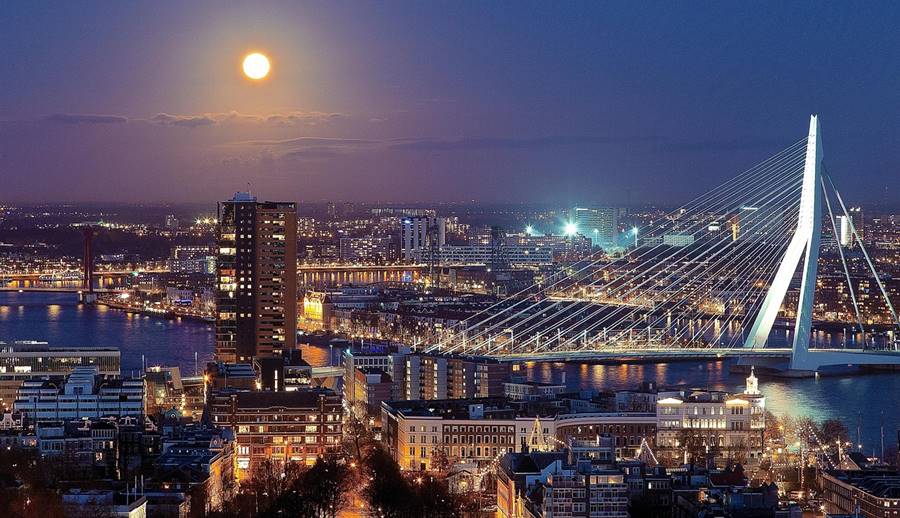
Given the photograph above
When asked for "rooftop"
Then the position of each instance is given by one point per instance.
(879, 483)
(294, 399)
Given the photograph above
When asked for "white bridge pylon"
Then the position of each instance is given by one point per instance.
(804, 246)
(803, 252)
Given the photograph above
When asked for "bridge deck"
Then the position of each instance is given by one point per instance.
(61, 289)
(849, 356)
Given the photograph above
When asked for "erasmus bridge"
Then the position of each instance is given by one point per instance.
(711, 279)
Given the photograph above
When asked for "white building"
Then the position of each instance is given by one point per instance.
(532, 390)
(514, 255)
(420, 234)
(846, 235)
(678, 240)
(83, 394)
(192, 259)
(703, 423)
(600, 225)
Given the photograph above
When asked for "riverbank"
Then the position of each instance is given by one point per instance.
(170, 313)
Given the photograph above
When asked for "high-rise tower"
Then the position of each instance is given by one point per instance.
(256, 279)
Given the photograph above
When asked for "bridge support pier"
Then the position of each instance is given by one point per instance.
(87, 297)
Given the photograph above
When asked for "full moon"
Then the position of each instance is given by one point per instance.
(256, 66)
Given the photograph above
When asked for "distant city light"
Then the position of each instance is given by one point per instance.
(570, 229)
(529, 230)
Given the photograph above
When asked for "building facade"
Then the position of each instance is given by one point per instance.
(600, 225)
(83, 394)
(714, 425)
(297, 426)
(256, 279)
(21, 361)
(418, 235)
(862, 493)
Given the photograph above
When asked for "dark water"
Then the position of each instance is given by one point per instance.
(59, 320)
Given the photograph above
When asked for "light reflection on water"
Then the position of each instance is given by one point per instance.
(844, 397)
(58, 319)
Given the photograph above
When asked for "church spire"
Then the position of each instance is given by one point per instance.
(752, 384)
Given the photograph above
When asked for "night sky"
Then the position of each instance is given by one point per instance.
(552, 102)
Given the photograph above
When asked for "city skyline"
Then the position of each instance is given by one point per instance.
(449, 259)
(611, 105)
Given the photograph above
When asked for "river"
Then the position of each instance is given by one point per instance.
(61, 321)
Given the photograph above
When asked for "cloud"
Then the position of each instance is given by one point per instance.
(306, 141)
(293, 118)
(305, 148)
(743, 144)
(303, 118)
(470, 143)
(188, 121)
(85, 118)
(325, 148)
(315, 153)
(287, 119)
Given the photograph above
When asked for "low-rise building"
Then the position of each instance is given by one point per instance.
(532, 390)
(371, 387)
(105, 503)
(715, 425)
(29, 360)
(548, 485)
(865, 493)
(296, 426)
(89, 448)
(84, 393)
(478, 430)
(419, 433)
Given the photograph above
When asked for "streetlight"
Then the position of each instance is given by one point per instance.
(570, 229)
(529, 230)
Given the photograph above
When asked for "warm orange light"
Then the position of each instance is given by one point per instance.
(256, 66)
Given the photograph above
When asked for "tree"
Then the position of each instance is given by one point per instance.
(358, 435)
(434, 498)
(692, 445)
(440, 461)
(199, 500)
(833, 430)
(774, 427)
(388, 492)
(329, 483)
(293, 503)
(268, 481)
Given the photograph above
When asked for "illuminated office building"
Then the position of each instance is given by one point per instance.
(597, 224)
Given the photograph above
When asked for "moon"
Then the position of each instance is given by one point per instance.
(256, 66)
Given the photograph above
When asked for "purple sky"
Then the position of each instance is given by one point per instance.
(553, 102)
